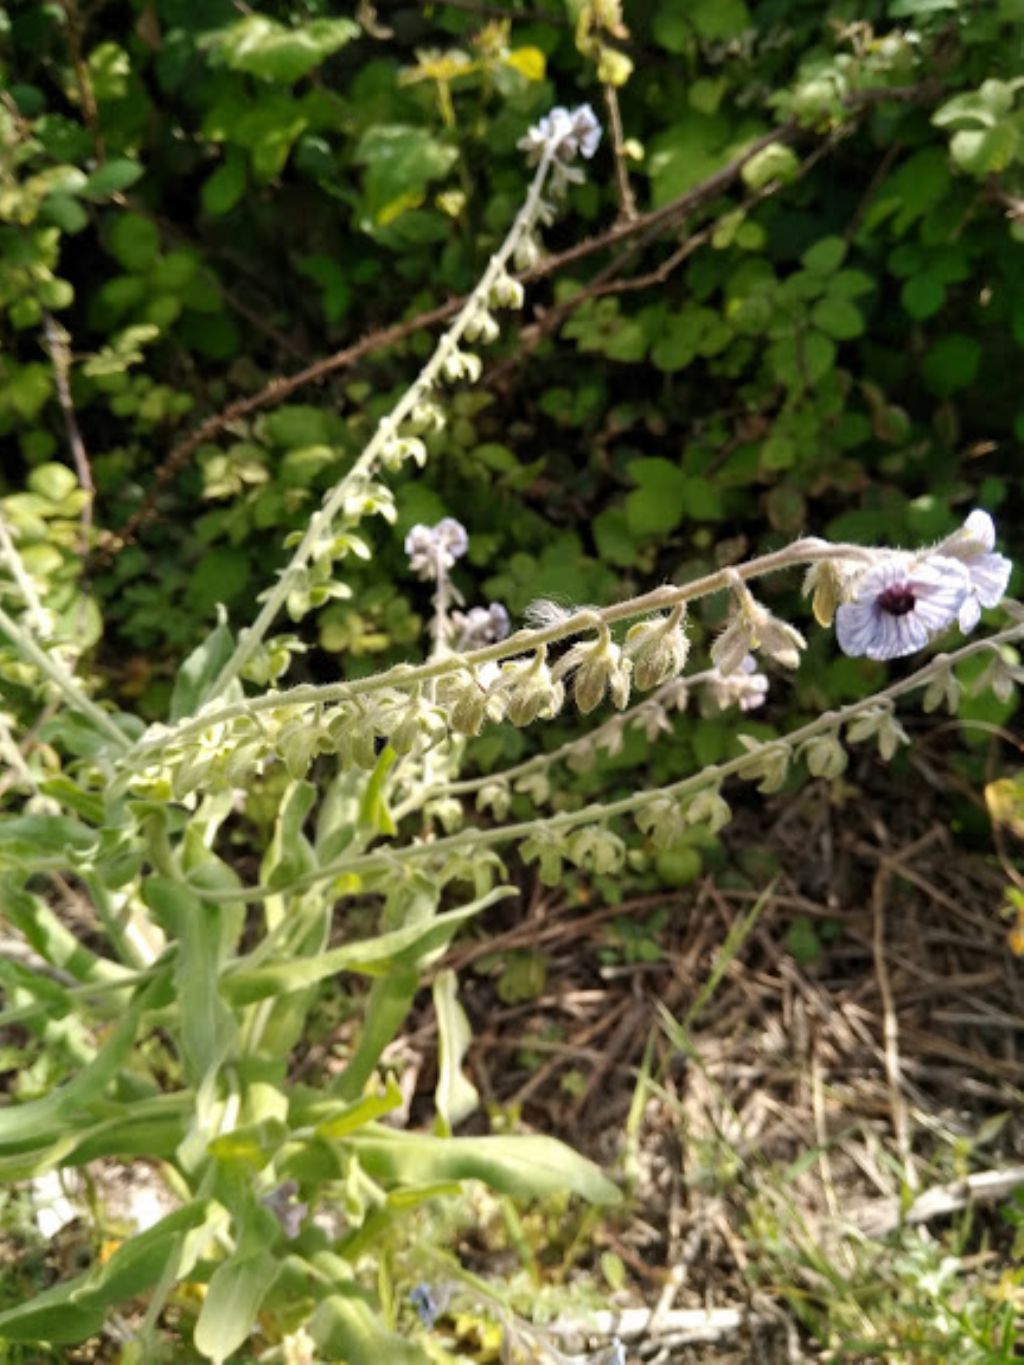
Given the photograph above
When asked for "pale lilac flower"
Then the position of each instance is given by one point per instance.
(430, 1301)
(289, 1211)
(900, 605)
(433, 550)
(744, 687)
(480, 626)
(973, 545)
(565, 134)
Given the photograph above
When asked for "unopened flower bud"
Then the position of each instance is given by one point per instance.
(709, 808)
(597, 849)
(825, 757)
(597, 667)
(505, 291)
(462, 365)
(663, 821)
(658, 648)
(530, 691)
(481, 328)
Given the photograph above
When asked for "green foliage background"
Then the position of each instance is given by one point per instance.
(197, 202)
(206, 202)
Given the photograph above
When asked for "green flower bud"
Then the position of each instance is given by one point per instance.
(658, 649)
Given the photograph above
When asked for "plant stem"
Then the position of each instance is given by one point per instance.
(386, 430)
(404, 676)
(27, 647)
(392, 858)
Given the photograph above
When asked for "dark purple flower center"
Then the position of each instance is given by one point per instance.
(897, 601)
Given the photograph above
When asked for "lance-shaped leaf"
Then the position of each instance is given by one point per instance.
(371, 956)
(456, 1096)
(529, 1166)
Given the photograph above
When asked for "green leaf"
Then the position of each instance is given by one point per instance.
(656, 507)
(51, 938)
(456, 1097)
(527, 1167)
(386, 1010)
(838, 317)
(263, 47)
(615, 542)
(983, 107)
(922, 296)
(771, 163)
(401, 161)
(207, 1026)
(65, 211)
(134, 241)
(112, 177)
(345, 1327)
(232, 1301)
(372, 956)
(77, 1309)
(985, 151)
(45, 840)
(224, 188)
(951, 364)
(201, 669)
(716, 20)
(20, 1123)
(826, 256)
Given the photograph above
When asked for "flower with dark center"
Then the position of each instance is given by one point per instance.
(900, 605)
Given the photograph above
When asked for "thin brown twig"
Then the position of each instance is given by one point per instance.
(890, 1027)
(281, 387)
(75, 28)
(627, 203)
(57, 340)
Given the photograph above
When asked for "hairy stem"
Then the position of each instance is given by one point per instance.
(388, 858)
(53, 669)
(404, 676)
(386, 430)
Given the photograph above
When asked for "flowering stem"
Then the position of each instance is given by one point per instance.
(388, 858)
(251, 638)
(548, 760)
(404, 676)
(53, 669)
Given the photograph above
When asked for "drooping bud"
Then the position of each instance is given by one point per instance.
(462, 365)
(825, 756)
(482, 328)
(663, 821)
(505, 291)
(879, 724)
(768, 764)
(830, 583)
(942, 688)
(530, 691)
(753, 627)
(709, 808)
(597, 849)
(658, 648)
(597, 667)
(547, 848)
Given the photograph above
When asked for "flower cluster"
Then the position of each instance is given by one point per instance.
(433, 550)
(565, 134)
(900, 604)
(480, 626)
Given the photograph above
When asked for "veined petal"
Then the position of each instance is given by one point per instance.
(990, 574)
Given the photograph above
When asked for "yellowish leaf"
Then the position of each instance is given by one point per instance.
(528, 61)
(1005, 801)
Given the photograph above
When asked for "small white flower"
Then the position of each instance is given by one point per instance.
(746, 687)
(900, 605)
(480, 626)
(565, 134)
(433, 550)
(973, 545)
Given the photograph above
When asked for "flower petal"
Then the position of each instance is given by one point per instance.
(990, 574)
